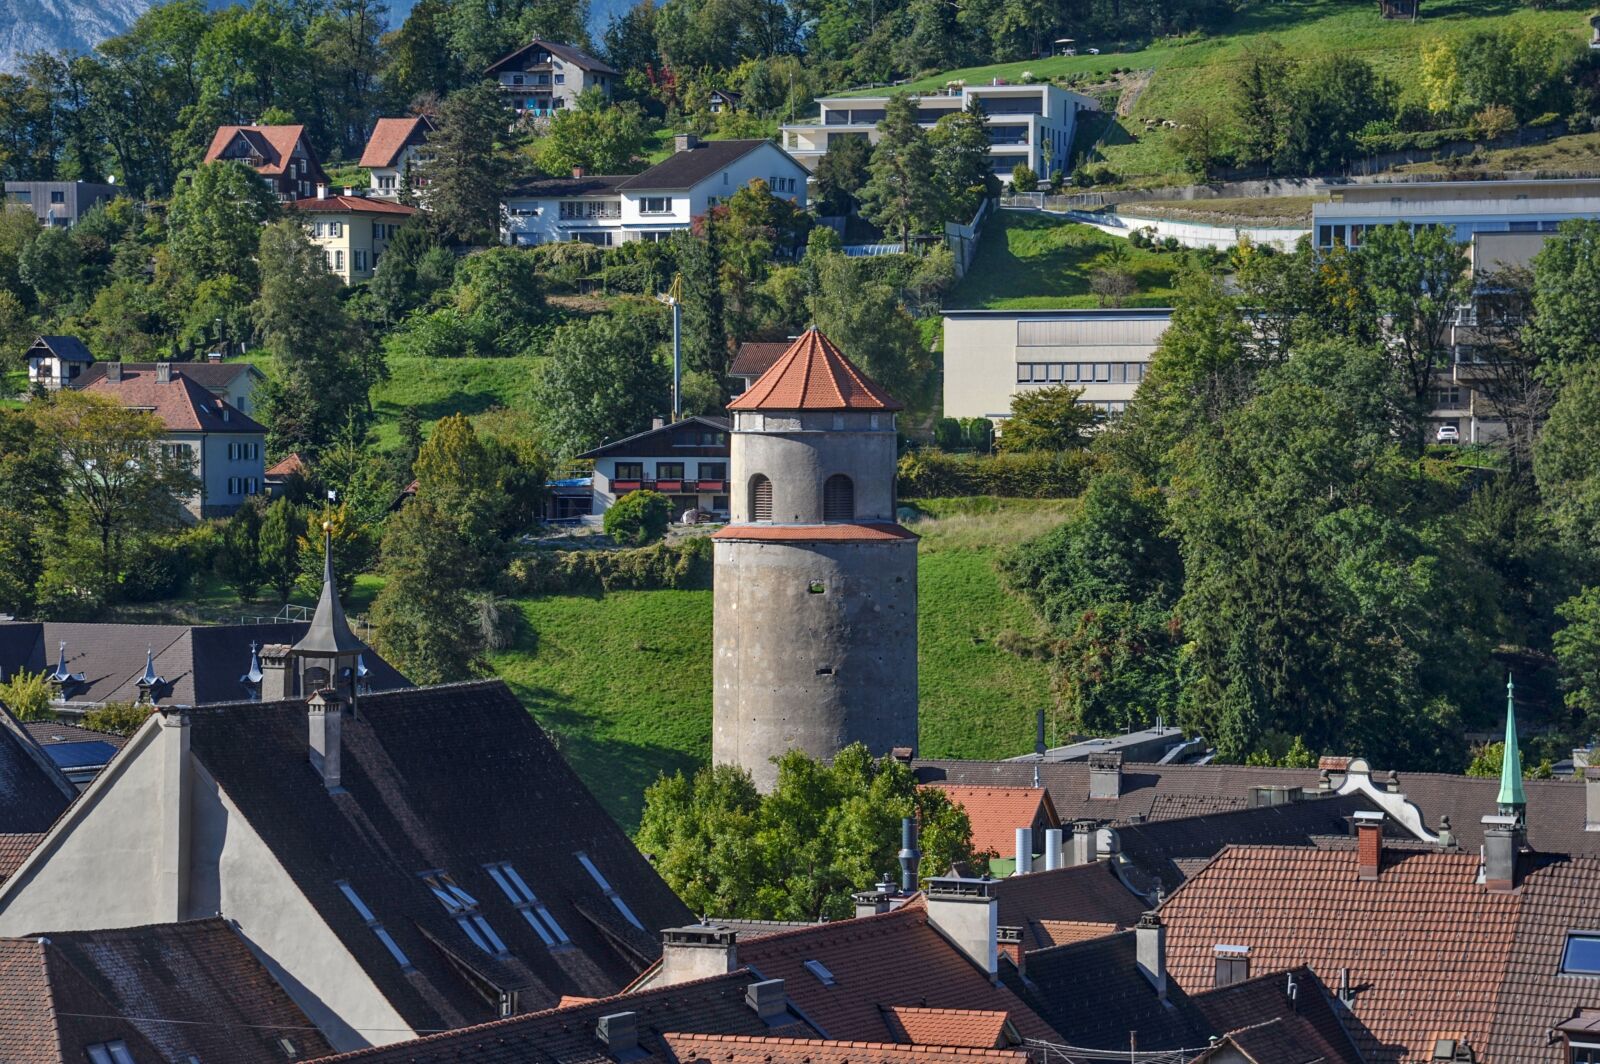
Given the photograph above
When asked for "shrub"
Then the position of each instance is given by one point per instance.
(1492, 122)
(156, 571)
(947, 434)
(978, 434)
(638, 518)
(27, 695)
(932, 473)
(118, 718)
(1023, 179)
(683, 565)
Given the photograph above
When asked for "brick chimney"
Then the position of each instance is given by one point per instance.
(163, 372)
(697, 951)
(1105, 775)
(325, 715)
(685, 142)
(966, 912)
(577, 171)
(1150, 947)
(1369, 844)
(1008, 944)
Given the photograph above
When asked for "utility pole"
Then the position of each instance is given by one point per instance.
(673, 297)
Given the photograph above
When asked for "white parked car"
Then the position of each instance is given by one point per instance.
(1448, 434)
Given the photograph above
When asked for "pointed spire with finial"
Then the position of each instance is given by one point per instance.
(151, 683)
(1512, 800)
(254, 675)
(329, 632)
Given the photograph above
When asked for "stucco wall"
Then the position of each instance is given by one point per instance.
(215, 468)
(816, 648)
(799, 462)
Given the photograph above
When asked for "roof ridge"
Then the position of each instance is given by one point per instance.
(848, 1043)
(857, 921)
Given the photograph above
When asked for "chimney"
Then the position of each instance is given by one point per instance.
(1084, 849)
(1233, 964)
(620, 1033)
(348, 191)
(213, 357)
(658, 423)
(322, 192)
(1024, 852)
(1502, 840)
(1591, 794)
(577, 171)
(1105, 775)
(1369, 844)
(910, 858)
(163, 372)
(1052, 849)
(698, 951)
(276, 676)
(324, 713)
(685, 142)
(1008, 944)
(113, 371)
(966, 912)
(1151, 951)
(769, 1000)
(877, 900)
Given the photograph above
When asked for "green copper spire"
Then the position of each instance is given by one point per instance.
(1512, 801)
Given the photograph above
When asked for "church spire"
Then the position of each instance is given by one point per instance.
(1512, 800)
(329, 632)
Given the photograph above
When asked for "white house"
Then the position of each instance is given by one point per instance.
(57, 361)
(686, 461)
(395, 147)
(613, 209)
(543, 77)
(1026, 123)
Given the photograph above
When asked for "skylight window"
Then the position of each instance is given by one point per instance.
(519, 894)
(817, 969)
(464, 907)
(1582, 955)
(616, 899)
(372, 924)
(110, 1053)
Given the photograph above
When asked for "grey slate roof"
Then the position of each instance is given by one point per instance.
(685, 169)
(201, 663)
(212, 376)
(33, 792)
(567, 52)
(588, 185)
(329, 632)
(451, 779)
(66, 348)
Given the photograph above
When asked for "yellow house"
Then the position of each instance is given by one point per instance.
(352, 231)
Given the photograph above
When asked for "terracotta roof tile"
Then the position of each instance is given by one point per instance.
(972, 1028)
(50, 1012)
(276, 144)
(813, 374)
(833, 533)
(997, 812)
(390, 136)
(1563, 896)
(1047, 933)
(1090, 892)
(287, 467)
(350, 205)
(14, 849)
(182, 404)
(745, 1049)
(755, 357)
(1424, 944)
(894, 958)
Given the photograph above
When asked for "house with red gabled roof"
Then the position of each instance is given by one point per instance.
(998, 813)
(280, 154)
(396, 146)
(224, 444)
(352, 231)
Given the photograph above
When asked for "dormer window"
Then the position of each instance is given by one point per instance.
(109, 1053)
(464, 907)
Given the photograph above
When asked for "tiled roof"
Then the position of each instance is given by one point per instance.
(1424, 944)
(287, 467)
(276, 144)
(833, 533)
(450, 779)
(567, 1035)
(813, 374)
(193, 989)
(212, 376)
(55, 732)
(642, 442)
(587, 185)
(1090, 892)
(50, 1012)
(576, 56)
(755, 357)
(894, 958)
(350, 205)
(182, 404)
(744, 1049)
(390, 136)
(201, 664)
(14, 849)
(1047, 933)
(997, 812)
(685, 169)
(1560, 897)
(1273, 1027)
(66, 348)
(972, 1028)
(750, 930)
(33, 792)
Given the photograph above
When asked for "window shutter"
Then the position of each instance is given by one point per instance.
(838, 498)
(760, 499)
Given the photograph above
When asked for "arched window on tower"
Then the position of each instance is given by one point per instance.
(760, 498)
(838, 498)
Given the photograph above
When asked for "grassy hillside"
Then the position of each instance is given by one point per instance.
(437, 388)
(1575, 154)
(1037, 261)
(623, 681)
(1199, 71)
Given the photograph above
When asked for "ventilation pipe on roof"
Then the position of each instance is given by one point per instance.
(1052, 849)
(619, 1031)
(1038, 747)
(1024, 852)
(324, 714)
(1150, 950)
(909, 856)
(1591, 792)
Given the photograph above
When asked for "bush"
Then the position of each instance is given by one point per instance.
(684, 565)
(931, 473)
(27, 695)
(947, 434)
(638, 518)
(1023, 179)
(977, 433)
(156, 571)
(118, 718)
(1492, 122)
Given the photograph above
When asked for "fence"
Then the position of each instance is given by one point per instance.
(963, 239)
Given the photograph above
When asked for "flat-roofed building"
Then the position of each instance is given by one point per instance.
(1024, 120)
(991, 355)
(1469, 207)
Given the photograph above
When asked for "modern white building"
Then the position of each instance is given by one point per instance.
(543, 77)
(991, 355)
(1469, 207)
(1026, 122)
(396, 146)
(613, 209)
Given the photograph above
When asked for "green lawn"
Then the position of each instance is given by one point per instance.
(1199, 71)
(623, 681)
(1578, 153)
(437, 388)
(1036, 261)
(1264, 211)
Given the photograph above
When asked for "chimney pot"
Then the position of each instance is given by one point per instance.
(1052, 849)
(910, 858)
(1151, 951)
(619, 1031)
(1024, 852)
(1369, 845)
(1105, 775)
(322, 192)
(163, 372)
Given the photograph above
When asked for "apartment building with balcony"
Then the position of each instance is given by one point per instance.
(352, 231)
(280, 154)
(687, 461)
(610, 209)
(1024, 121)
(543, 77)
(1468, 207)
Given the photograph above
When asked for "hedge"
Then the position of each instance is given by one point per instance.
(681, 565)
(930, 473)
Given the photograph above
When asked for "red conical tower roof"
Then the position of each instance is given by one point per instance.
(814, 375)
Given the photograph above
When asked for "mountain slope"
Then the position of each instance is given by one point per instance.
(49, 25)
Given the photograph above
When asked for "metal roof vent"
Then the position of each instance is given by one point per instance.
(620, 1033)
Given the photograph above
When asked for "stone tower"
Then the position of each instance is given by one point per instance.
(816, 584)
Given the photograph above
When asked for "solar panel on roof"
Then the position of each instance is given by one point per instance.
(80, 755)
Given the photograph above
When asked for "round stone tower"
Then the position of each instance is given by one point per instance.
(816, 584)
